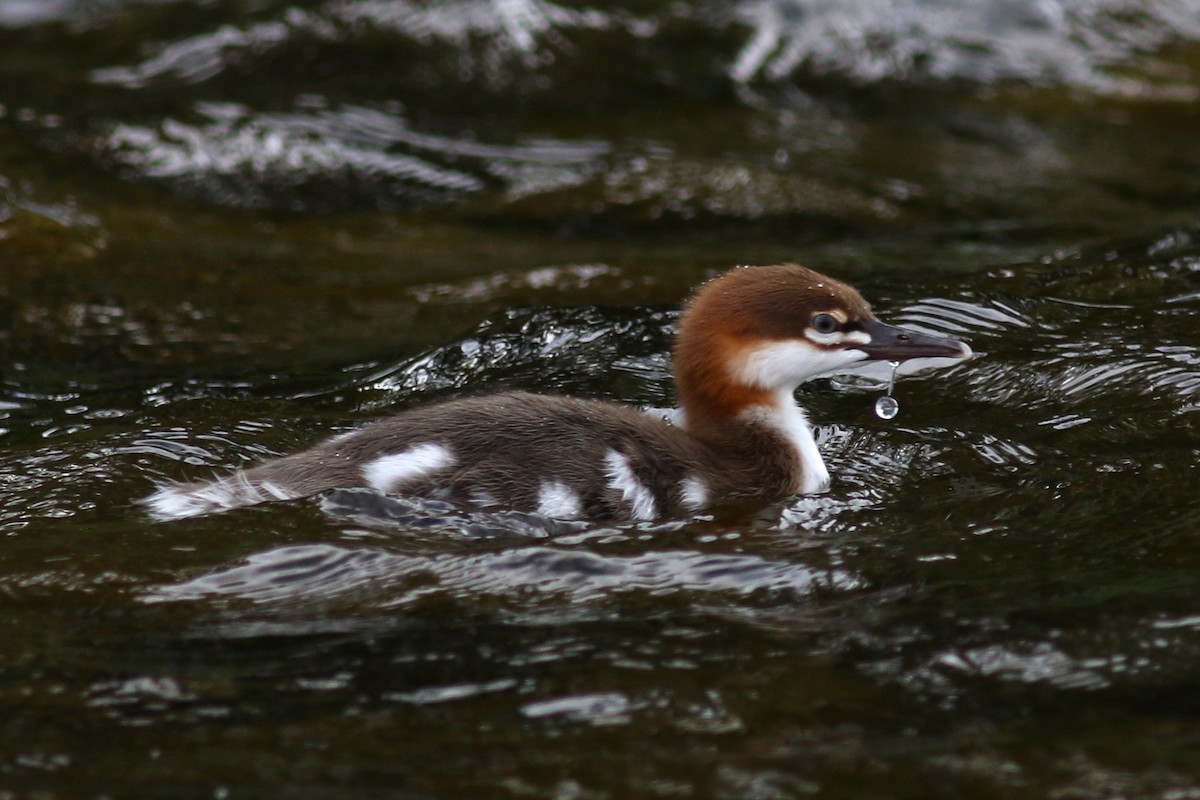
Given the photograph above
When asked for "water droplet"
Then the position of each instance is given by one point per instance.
(887, 407)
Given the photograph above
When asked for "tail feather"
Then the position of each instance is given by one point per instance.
(180, 500)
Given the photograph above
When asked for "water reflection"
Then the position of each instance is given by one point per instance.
(504, 348)
(301, 575)
(998, 596)
(509, 27)
(23, 13)
(495, 104)
(1077, 44)
(1082, 45)
(238, 157)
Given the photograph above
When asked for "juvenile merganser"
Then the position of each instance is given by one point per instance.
(746, 341)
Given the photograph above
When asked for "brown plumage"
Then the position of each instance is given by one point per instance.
(746, 340)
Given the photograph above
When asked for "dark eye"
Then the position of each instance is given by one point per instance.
(825, 323)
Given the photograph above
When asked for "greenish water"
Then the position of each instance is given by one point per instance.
(227, 228)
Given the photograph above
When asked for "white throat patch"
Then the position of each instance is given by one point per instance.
(787, 363)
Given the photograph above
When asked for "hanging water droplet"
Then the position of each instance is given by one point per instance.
(887, 407)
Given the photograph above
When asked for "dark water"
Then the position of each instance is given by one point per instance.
(229, 227)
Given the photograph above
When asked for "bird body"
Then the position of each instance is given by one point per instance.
(746, 341)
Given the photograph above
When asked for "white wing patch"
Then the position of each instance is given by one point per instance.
(556, 499)
(390, 472)
(620, 477)
(693, 493)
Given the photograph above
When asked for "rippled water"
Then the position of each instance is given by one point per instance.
(229, 228)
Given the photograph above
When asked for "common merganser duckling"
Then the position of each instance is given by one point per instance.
(747, 339)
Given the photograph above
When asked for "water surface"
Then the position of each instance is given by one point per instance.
(228, 228)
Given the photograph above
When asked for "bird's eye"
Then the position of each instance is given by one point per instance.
(825, 323)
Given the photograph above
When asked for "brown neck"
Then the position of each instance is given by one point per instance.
(756, 460)
(710, 398)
